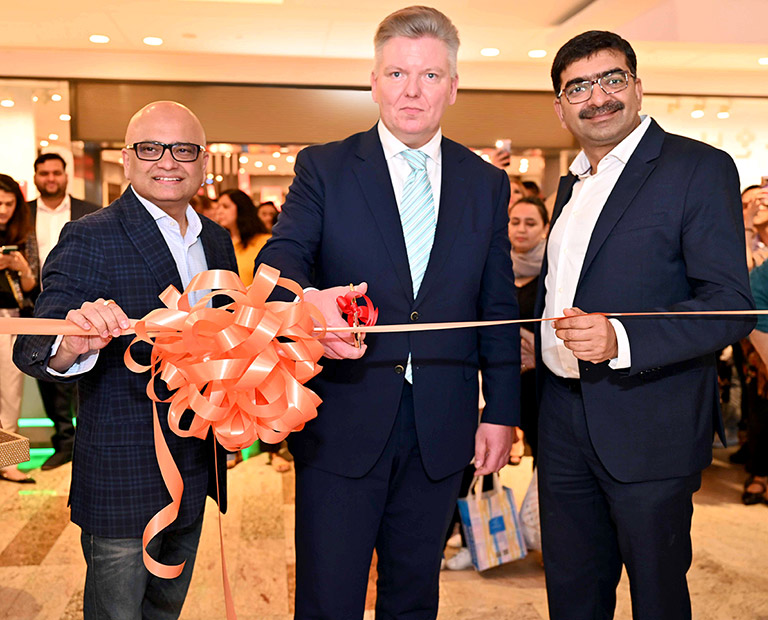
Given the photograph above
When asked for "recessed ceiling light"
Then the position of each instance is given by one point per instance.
(53, 136)
(697, 114)
(290, 159)
(55, 97)
(243, 159)
(43, 143)
(227, 155)
(258, 164)
(35, 98)
(98, 38)
(7, 103)
(219, 178)
(152, 41)
(242, 171)
(271, 167)
(65, 117)
(489, 51)
(723, 115)
(537, 53)
(276, 154)
(762, 61)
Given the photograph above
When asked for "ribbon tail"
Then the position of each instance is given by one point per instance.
(166, 516)
(228, 600)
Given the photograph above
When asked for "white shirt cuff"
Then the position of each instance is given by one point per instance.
(83, 364)
(624, 358)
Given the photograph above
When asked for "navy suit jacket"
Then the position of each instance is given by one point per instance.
(119, 253)
(669, 238)
(340, 224)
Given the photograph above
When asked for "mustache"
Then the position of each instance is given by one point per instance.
(607, 107)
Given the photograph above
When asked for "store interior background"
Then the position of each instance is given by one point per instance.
(268, 77)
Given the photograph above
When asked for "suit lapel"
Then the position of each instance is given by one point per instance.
(637, 170)
(373, 175)
(215, 252)
(453, 190)
(144, 234)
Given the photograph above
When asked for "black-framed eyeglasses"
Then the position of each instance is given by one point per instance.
(154, 151)
(611, 83)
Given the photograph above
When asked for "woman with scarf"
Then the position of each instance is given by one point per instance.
(528, 225)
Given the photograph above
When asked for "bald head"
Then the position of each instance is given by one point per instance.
(154, 115)
(167, 183)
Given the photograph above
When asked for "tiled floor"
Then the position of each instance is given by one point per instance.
(42, 570)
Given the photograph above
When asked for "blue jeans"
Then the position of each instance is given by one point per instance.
(119, 587)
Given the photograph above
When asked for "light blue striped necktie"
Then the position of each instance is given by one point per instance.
(417, 214)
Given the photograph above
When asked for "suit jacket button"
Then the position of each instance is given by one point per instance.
(399, 369)
(414, 316)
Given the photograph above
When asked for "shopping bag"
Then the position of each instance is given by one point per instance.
(491, 525)
(529, 515)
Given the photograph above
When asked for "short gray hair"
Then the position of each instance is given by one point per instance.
(415, 22)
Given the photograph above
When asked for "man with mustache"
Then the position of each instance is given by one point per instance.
(645, 221)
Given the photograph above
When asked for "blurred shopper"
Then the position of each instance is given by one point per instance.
(203, 205)
(18, 281)
(268, 214)
(528, 226)
(756, 447)
(107, 267)
(50, 212)
(532, 190)
(236, 212)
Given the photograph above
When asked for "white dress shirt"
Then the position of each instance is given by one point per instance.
(48, 225)
(399, 169)
(567, 248)
(187, 252)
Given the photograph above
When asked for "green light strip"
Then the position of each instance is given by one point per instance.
(41, 451)
(35, 422)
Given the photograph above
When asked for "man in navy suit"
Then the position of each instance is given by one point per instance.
(646, 221)
(380, 466)
(107, 267)
(54, 208)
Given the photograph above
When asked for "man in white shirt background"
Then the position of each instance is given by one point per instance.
(50, 211)
(645, 221)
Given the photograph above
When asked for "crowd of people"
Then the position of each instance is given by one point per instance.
(618, 413)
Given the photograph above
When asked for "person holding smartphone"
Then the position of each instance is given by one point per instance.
(18, 282)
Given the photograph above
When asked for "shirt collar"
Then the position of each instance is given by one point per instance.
(622, 151)
(64, 205)
(194, 223)
(392, 146)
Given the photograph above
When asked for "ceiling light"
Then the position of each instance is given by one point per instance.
(290, 159)
(276, 154)
(762, 61)
(258, 164)
(242, 171)
(219, 178)
(98, 38)
(489, 51)
(65, 117)
(55, 97)
(537, 53)
(523, 168)
(209, 176)
(35, 98)
(697, 113)
(724, 112)
(7, 103)
(152, 41)
(43, 143)
(271, 167)
(243, 159)
(227, 155)
(53, 136)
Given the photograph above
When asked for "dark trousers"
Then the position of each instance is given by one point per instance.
(395, 509)
(119, 587)
(592, 524)
(59, 404)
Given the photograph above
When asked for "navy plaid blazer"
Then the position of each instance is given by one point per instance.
(119, 253)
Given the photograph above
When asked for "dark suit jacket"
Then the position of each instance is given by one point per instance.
(78, 207)
(119, 253)
(340, 224)
(668, 238)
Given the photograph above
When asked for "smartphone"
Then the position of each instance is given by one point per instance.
(504, 145)
(7, 249)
